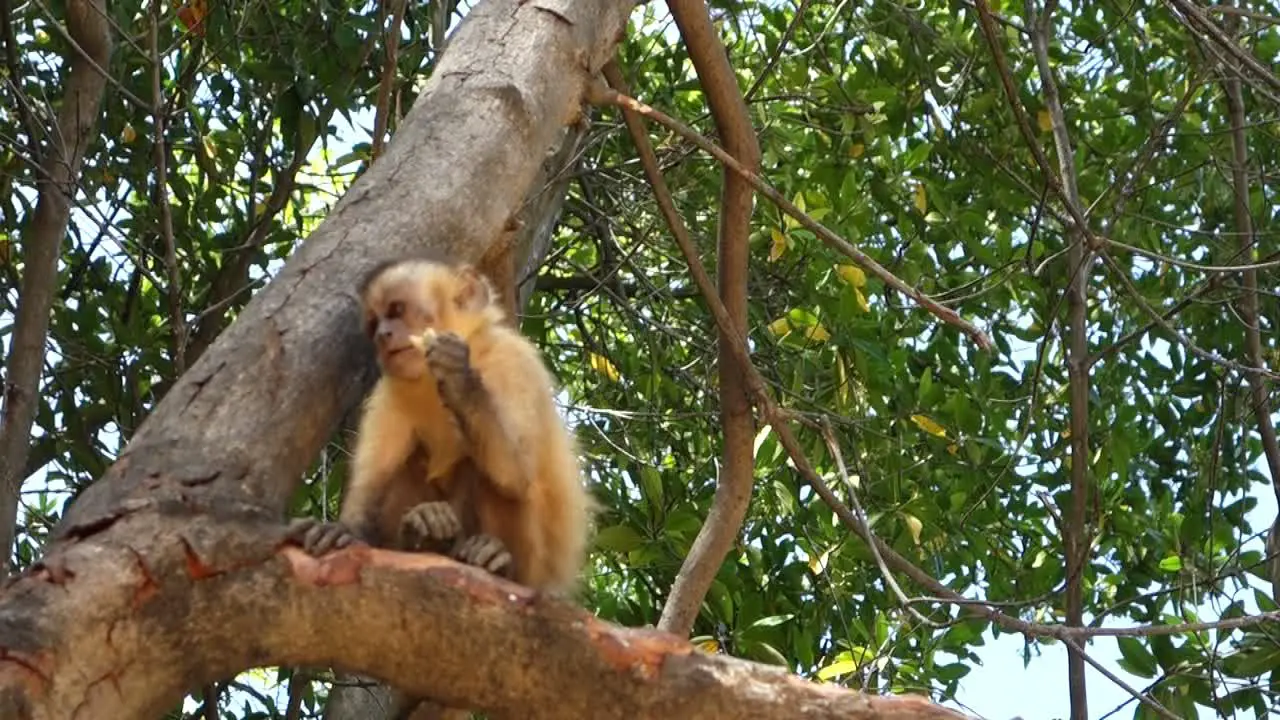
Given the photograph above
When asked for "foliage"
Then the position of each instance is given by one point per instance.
(888, 123)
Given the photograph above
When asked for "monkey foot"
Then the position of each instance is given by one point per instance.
(318, 538)
(428, 525)
(487, 552)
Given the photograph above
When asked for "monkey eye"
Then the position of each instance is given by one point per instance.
(395, 310)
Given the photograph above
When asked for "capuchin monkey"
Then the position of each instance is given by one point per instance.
(460, 449)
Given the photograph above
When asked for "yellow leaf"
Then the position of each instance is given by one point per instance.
(921, 197)
(852, 274)
(818, 563)
(953, 448)
(210, 148)
(1066, 433)
(925, 423)
(128, 135)
(781, 326)
(837, 668)
(788, 221)
(779, 245)
(914, 525)
(1044, 120)
(601, 364)
(862, 300)
(817, 333)
(856, 150)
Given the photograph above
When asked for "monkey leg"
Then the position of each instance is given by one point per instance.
(429, 526)
(318, 538)
(486, 552)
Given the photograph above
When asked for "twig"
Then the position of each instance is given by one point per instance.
(1195, 293)
(388, 79)
(209, 710)
(777, 419)
(1168, 327)
(161, 152)
(1216, 34)
(1248, 269)
(10, 39)
(834, 447)
(601, 95)
(777, 54)
(298, 682)
(88, 59)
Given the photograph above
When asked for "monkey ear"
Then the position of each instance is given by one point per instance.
(474, 293)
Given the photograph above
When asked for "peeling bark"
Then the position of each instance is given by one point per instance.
(179, 600)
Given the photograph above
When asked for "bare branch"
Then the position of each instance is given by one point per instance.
(733, 486)
(604, 96)
(177, 321)
(88, 55)
(42, 244)
(388, 78)
(1197, 18)
(1248, 304)
(1075, 543)
(777, 417)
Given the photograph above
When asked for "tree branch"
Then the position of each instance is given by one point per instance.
(388, 79)
(1248, 304)
(1079, 261)
(177, 321)
(42, 244)
(105, 628)
(777, 417)
(601, 95)
(737, 468)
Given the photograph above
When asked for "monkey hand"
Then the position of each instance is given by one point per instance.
(486, 552)
(428, 526)
(318, 538)
(449, 359)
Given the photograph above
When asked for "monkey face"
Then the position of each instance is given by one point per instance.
(404, 299)
(391, 326)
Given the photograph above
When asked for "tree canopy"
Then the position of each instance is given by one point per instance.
(1085, 186)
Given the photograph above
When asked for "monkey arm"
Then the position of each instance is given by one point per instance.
(383, 445)
(497, 401)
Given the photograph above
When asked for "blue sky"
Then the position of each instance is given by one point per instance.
(1001, 688)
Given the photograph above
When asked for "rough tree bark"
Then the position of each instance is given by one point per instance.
(41, 246)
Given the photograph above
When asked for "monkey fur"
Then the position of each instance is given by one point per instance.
(460, 447)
